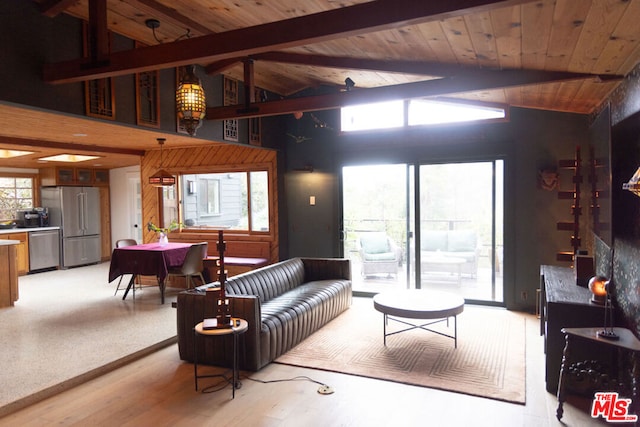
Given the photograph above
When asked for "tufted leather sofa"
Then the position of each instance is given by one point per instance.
(283, 303)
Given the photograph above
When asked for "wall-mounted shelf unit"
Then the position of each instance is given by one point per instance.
(574, 195)
(598, 168)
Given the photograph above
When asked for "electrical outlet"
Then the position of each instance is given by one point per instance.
(523, 295)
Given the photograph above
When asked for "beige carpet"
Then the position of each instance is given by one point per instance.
(68, 327)
(489, 361)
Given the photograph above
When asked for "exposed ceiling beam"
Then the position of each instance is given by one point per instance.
(478, 80)
(249, 85)
(98, 31)
(319, 27)
(73, 148)
(396, 66)
(434, 69)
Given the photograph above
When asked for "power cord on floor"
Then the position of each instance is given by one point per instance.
(216, 387)
(323, 389)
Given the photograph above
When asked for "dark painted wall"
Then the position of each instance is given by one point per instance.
(30, 40)
(530, 141)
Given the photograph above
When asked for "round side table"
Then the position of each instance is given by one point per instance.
(239, 326)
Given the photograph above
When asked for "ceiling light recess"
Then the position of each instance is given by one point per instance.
(68, 158)
(7, 154)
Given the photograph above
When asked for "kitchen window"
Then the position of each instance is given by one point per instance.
(16, 193)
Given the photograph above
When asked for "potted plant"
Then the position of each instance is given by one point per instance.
(163, 232)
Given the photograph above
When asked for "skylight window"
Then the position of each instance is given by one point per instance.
(385, 115)
(427, 112)
(382, 115)
(70, 158)
(8, 154)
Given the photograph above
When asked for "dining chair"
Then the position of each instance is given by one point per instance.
(121, 244)
(193, 264)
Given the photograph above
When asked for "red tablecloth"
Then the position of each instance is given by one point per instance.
(149, 259)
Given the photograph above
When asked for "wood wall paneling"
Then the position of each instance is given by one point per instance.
(206, 159)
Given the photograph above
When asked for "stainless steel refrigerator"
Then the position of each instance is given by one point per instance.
(76, 210)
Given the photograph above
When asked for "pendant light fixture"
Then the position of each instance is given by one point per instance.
(162, 178)
(190, 101)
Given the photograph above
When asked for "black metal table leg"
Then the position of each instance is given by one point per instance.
(195, 357)
(129, 286)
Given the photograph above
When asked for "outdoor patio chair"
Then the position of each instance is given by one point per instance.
(379, 254)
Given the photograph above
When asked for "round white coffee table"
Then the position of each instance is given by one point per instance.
(419, 304)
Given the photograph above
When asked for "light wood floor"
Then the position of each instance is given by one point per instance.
(158, 390)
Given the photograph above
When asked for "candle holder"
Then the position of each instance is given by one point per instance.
(607, 331)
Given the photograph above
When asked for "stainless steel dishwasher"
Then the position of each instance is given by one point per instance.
(44, 249)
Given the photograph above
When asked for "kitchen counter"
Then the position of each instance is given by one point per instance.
(26, 230)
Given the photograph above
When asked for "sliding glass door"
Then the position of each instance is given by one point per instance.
(460, 236)
(456, 245)
(376, 218)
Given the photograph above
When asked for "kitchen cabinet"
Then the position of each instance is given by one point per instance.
(55, 176)
(22, 250)
(100, 177)
(8, 273)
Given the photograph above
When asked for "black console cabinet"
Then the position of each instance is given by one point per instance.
(564, 305)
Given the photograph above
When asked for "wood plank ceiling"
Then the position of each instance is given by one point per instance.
(385, 46)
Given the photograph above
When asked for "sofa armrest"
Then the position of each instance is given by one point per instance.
(326, 268)
(247, 307)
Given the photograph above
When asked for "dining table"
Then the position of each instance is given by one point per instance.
(148, 259)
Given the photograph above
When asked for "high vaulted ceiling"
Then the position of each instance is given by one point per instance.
(561, 55)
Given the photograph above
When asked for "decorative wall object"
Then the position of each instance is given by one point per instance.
(574, 165)
(548, 179)
(230, 98)
(99, 94)
(148, 98)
